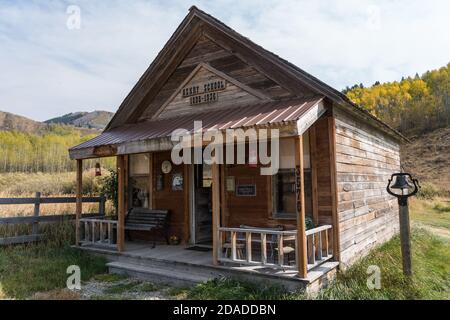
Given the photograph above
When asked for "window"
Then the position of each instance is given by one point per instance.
(283, 183)
(284, 195)
(139, 181)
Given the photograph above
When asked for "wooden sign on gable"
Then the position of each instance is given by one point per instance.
(207, 88)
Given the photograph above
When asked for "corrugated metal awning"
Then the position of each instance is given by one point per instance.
(268, 113)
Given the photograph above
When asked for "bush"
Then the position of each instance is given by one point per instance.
(428, 191)
(109, 187)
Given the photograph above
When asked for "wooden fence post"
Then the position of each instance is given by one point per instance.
(101, 205)
(79, 200)
(37, 205)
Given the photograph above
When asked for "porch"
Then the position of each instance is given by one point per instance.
(180, 265)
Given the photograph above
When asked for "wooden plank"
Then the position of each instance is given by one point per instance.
(86, 231)
(46, 200)
(79, 203)
(313, 154)
(263, 248)
(248, 247)
(302, 263)
(21, 239)
(36, 214)
(280, 250)
(110, 233)
(94, 236)
(233, 245)
(334, 195)
(46, 218)
(121, 203)
(186, 202)
(215, 210)
(151, 199)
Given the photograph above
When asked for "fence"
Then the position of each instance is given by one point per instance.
(36, 218)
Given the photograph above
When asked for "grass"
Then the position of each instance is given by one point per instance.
(431, 212)
(29, 269)
(121, 287)
(431, 279)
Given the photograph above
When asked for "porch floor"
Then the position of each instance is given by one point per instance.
(177, 258)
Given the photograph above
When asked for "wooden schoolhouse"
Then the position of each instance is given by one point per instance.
(325, 207)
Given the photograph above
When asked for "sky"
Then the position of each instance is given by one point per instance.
(58, 57)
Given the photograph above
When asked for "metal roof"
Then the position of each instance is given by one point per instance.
(267, 113)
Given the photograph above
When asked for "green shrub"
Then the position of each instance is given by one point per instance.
(109, 186)
(441, 207)
(428, 191)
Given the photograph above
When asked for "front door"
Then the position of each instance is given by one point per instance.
(202, 204)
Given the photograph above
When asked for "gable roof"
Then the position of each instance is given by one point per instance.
(193, 23)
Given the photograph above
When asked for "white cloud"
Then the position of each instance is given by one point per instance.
(47, 70)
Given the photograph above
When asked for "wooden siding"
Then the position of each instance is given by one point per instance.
(365, 159)
(252, 210)
(231, 96)
(320, 163)
(208, 51)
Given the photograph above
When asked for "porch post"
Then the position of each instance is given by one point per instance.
(78, 208)
(333, 181)
(302, 262)
(215, 211)
(121, 202)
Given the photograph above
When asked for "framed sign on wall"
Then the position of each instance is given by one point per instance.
(246, 190)
(177, 182)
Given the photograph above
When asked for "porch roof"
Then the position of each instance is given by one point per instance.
(267, 113)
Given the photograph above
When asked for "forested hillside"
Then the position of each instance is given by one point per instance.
(46, 152)
(413, 105)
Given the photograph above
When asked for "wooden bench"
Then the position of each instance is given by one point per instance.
(143, 219)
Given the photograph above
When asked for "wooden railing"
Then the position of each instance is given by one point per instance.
(37, 218)
(253, 246)
(99, 232)
(319, 245)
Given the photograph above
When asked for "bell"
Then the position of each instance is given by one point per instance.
(98, 170)
(401, 183)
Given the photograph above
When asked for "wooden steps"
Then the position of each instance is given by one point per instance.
(156, 274)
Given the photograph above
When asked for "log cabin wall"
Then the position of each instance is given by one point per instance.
(365, 159)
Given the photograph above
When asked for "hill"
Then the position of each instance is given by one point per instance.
(413, 105)
(13, 122)
(427, 157)
(94, 119)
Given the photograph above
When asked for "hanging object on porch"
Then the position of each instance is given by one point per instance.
(98, 170)
(166, 166)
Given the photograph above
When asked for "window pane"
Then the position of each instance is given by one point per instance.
(284, 193)
(139, 164)
(139, 192)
